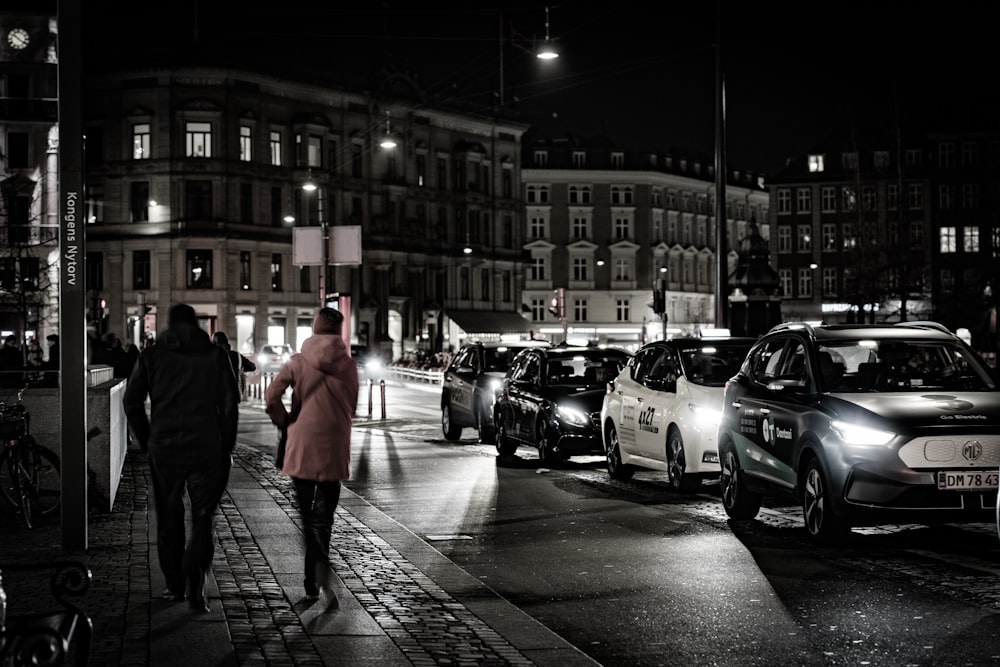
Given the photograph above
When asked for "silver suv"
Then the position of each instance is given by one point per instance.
(862, 424)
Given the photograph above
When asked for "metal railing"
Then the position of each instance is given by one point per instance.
(432, 376)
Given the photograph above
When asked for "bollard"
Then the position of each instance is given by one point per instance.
(382, 387)
(371, 388)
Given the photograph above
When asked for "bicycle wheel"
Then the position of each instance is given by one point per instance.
(22, 483)
(45, 485)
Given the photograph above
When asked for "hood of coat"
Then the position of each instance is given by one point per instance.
(328, 353)
(185, 337)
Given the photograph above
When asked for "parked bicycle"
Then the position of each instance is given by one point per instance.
(29, 472)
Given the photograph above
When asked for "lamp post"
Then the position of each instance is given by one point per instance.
(546, 52)
(309, 187)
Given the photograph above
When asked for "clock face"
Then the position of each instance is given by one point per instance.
(18, 38)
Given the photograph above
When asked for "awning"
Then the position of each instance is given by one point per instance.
(475, 322)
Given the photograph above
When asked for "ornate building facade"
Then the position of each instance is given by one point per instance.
(194, 182)
(604, 224)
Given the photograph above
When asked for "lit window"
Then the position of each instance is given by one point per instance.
(140, 141)
(276, 149)
(246, 144)
(815, 163)
(198, 140)
(948, 242)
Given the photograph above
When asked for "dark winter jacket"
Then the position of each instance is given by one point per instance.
(192, 394)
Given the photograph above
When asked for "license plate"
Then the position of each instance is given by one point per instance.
(968, 480)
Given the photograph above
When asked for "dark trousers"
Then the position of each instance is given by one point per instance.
(317, 504)
(185, 559)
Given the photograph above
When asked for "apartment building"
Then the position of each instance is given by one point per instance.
(603, 224)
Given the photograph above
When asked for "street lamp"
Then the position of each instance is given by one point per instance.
(545, 52)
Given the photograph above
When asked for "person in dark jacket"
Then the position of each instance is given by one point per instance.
(240, 364)
(190, 436)
(324, 382)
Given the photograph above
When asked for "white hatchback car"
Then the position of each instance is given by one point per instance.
(662, 411)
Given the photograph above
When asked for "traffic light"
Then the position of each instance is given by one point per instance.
(558, 304)
(660, 296)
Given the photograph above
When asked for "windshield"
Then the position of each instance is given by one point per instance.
(595, 367)
(711, 364)
(866, 365)
(498, 358)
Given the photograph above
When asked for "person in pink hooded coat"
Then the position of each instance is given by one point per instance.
(324, 382)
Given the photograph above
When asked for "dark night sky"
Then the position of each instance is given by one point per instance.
(642, 73)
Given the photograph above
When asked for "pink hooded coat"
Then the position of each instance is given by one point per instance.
(324, 382)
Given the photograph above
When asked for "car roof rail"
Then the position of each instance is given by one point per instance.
(926, 324)
(788, 326)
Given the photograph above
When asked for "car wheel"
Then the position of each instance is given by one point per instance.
(820, 520)
(613, 453)
(450, 429)
(505, 446)
(546, 447)
(676, 465)
(738, 501)
(484, 424)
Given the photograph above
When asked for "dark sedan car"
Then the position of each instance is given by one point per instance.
(551, 399)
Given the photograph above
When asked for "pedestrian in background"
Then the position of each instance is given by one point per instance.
(190, 437)
(324, 382)
(11, 364)
(239, 364)
(51, 366)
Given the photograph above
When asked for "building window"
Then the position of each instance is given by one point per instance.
(139, 201)
(829, 197)
(276, 149)
(246, 270)
(537, 269)
(849, 160)
(537, 194)
(803, 200)
(246, 203)
(848, 198)
(948, 240)
(536, 227)
(784, 238)
(623, 269)
(816, 163)
(970, 239)
(199, 269)
(869, 200)
(579, 227)
(95, 270)
(995, 240)
(829, 282)
(892, 197)
(484, 284)
(314, 151)
(358, 163)
(198, 140)
(623, 228)
(541, 158)
(970, 154)
(623, 310)
(537, 310)
(276, 281)
(946, 155)
(829, 237)
(657, 198)
(17, 150)
(580, 266)
(880, 159)
(140, 141)
(141, 276)
(805, 283)
(508, 182)
(944, 197)
(784, 201)
(30, 272)
(463, 282)
(848, 234)
(277, 216)
(911, 157)
(915, 195)
(507, 232)
(580, 310)
(442, 173)
(785, 279)
(617, 160)
(970, 196)
(579, 159)
(506, 287)
(579, 194)
(94, 203)
(421, 170)
(198, 200)
(805, 238)
(916, 232)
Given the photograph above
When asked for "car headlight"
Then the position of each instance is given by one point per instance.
(571, 416)
(261, 359)
(704, 415)
(494, 386)
(373, 365)
(855, 434)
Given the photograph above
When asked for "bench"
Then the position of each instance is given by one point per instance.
(45, 637)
